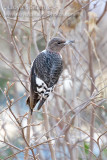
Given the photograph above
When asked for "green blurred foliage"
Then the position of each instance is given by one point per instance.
(86, 147)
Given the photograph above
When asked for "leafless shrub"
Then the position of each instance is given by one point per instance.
(72, 124)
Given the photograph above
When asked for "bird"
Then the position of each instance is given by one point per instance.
(45, 72)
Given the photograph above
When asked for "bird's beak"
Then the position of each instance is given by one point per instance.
(69, 42)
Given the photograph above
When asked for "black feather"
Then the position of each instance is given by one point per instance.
(47, 67)
(41, 103)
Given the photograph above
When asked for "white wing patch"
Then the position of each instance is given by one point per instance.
(42, 88)
(40, 82)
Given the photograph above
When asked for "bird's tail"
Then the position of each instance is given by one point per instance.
(41, 102)
(28, 103)
(31, 104)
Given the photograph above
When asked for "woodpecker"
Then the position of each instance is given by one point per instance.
(45, 72)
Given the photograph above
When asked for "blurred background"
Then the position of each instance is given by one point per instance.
(73, 122)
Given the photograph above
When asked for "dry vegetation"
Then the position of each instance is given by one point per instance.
(72, 125)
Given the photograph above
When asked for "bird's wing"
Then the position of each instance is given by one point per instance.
(34, 98)
(55, 72)
(42, 67)
(45, 73)
(48, 67)
(39, 79)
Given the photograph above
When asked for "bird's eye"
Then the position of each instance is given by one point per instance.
(58, 42)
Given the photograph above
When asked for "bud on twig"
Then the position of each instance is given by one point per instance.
(12, 100)
(8, 83)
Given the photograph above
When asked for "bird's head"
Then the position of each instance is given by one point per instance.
(56, 44)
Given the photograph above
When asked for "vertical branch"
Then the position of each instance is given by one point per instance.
(91, 65)
(26, 157)
(29, 60)
(90, 51)
(46, 125)
(92, 90)
(30, 37)
(73, 73)
(90, 54)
